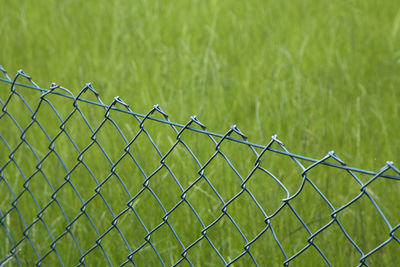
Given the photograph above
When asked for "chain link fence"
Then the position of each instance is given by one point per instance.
(86, 183)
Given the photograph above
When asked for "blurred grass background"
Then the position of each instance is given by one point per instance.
(323, 75)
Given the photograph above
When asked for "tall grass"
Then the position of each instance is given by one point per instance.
(321, 74)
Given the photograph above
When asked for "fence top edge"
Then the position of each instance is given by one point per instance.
(209, 133)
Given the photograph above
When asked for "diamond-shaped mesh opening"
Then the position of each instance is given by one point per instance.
(167, 244)
(93, 114)
(69, 200)
(337, 247)
(266, 190)
(19, 111)
(100, 168)
(47, 117)
(131, 227)
(42, 239)
(37, 139)
(312, 208)
(101, 220)
(247, 215)
(240, 156)
(63, 143)
(78, 130)
(330, 181)
(126, 123)
(115, 193)
(202, 146)
(27, 199)
(129, 173)
(145, 153)
(39, 189)
(364, 224)
(7, 195)
(183, 165)
(69, 251)
(389, 204)
(53, 170)
(162, 135)
(148, 209)
(30, 98)
(114, 246)
(15, 225)
(84, 231)
(227, 238)
(55, 219)
(265, 249)
(204, 201)
(10, 134)
(161, 180)
(80, 175)
(110, 140)
(25, 160)
(290, 232)
(285, 169)
(219, 174)
(179, 218)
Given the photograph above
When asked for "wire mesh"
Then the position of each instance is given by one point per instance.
(86, 183)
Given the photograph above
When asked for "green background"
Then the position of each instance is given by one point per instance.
(323, 75)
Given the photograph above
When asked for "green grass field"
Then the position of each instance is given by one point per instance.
(323, 75)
